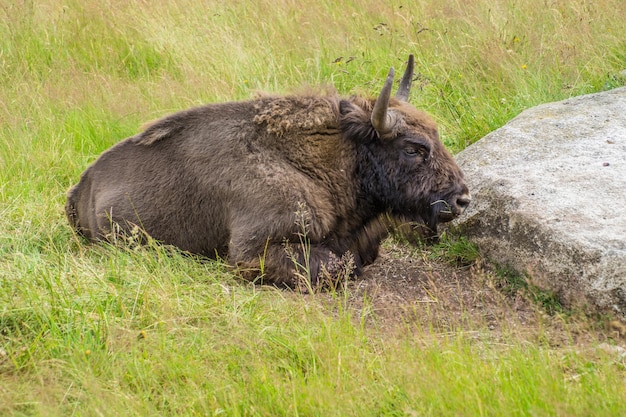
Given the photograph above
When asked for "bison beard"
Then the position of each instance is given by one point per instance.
(289, 189)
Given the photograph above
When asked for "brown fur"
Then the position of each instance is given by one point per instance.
(247, 180)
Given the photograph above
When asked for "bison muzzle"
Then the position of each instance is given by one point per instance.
(283, 187)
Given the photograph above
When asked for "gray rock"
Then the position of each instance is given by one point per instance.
(549, 198)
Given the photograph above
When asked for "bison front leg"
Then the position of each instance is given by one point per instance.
(292, 265)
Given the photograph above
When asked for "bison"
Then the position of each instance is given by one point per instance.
(282, 187)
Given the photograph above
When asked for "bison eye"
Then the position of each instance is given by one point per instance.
(416, 150)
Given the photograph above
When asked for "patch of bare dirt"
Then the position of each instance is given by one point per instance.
(410, 288)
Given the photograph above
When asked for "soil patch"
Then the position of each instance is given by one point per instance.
(410, 288)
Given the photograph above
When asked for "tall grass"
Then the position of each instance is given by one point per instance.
(94, 330)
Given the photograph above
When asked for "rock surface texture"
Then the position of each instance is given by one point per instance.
(549, 198)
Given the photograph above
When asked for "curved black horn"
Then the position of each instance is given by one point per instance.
(379, 112)
(407, 79)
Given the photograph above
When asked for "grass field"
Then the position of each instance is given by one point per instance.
(93, 330)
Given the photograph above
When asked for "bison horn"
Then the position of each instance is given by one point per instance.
(407, 79)
(380, 119)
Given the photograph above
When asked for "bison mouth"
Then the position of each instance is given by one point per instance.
(443, 211)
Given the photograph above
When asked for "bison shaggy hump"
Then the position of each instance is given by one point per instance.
(286, 188)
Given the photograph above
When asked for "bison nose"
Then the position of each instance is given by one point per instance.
(462, 202)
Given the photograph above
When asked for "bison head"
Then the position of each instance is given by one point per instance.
(403, 166)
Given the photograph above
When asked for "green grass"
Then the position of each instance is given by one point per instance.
(512, 282)
(95, 330)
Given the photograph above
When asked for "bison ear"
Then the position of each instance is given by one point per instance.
(348, 108)
(355, 120)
